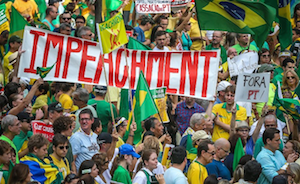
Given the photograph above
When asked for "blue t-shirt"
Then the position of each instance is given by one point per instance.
(140, 34)
(219, 169)
(174, 176)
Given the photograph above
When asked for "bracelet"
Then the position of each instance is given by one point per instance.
(131, 135)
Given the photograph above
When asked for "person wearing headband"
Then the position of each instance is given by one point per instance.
(121, 125)
(88, 167)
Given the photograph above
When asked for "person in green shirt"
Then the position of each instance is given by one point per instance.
(216, 44)
(103, 107)
(11, 127)
(90, 17)
(122, 161)
(4, 160)
(243, 44)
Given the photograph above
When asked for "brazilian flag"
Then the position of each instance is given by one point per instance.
(237, 16)
(283, 16)
(43, 71)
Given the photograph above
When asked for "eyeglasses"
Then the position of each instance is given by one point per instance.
(64, 18)
(62, 147)
(264, 56)
(225, 150)
(270, 126)
(212, 153)
(85, 119)
(291, 77)
(90, 34)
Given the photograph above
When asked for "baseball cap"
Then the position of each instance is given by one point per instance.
(223, 85)
(285, 53)
(265, 68)
(200, 134)
(100, 89)
(56, 106)
(24, 116)
(241, 124)
(104, 137)
(127, 149)
(15, 38)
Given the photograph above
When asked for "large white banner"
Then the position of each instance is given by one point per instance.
(153, 6)
(79, 61)
(252, 87)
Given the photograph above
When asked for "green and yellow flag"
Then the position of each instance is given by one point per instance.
(17, 23)
(43, 71)
(238, 16)
(143, 105)
(112, 34)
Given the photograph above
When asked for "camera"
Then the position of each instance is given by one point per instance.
(153, 180)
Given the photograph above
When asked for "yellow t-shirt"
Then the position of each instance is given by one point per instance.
(197, 173)
(67, 102)
(293, 22)
(120, 142)
(40, 102)
(172, 22)
(26, 8)
(128, 6)
(7, 67)
(63, 165)
(1, 79)
(195, 32)
(225, 117)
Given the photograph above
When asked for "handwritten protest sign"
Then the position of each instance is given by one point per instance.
(190, 73)
(4, 24)
(112, 34)
(253, 87)
(153, 6)
(39, 127)
(243, 63)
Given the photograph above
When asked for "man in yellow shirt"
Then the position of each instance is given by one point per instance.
(60, 149)
(222, 114)
(27, 8)
(197, 172)
(197, 36)
(14, 44)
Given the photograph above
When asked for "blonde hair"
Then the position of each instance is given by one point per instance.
(284, 79)
(295, 169)
(152, 142)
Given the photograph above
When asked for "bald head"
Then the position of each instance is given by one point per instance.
(222, 142)
(222, 148)
(217, 38)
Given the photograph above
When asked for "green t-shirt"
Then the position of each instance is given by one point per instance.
(69, 155)
(277, 71)
(90, 22)
(259, 144)
(121, 175)
(223, 52)
(103, 112)
(19, 139)
(239, 48)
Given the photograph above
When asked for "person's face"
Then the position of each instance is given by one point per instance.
(217, 37)
(66, 18)
(164, 24)
(229, 98)
(152, 162)
(55, 114)
(18, 101)
(209, 155)
(28, 179)
(200, 125)
(129, 159)
(76, 100)
(5, 157)
(274, 143)
(298, 12)
(66, 31)
(243, 132)
(85, 122)
(54, 13)
(88, 35)
(232, 52)
(15, 45)
(290, 66)
(94, 172)
(68, 132)
(16, 127)
(105, 165)
(79, 23)
(265, 58)
(3, 39)
(41, 152)
(270, 124)
(243, 38)
(189, 100)
(160, 40)
(188, 26)
(168, 38)
(159, 128)
(223, 151)
(26, 125)
(290, 79)
(287, 149)
(61, 149)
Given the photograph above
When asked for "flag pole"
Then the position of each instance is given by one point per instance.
(287, 125)
(110, 104)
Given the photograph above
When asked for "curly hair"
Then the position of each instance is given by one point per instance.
(37, 141)
(100, 160)
(62, 123)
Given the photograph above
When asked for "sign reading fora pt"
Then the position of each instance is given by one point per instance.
(252, 87)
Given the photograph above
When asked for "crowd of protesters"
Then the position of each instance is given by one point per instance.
(88, 147)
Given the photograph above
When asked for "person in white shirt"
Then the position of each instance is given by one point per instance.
(160, 38)
(174, 174)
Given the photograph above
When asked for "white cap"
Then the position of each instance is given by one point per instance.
(223, 85)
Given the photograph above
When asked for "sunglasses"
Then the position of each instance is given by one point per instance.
(264, 56)
(62, 147)
(90, 34)
(66, 18)
(212, 153)
(292, 77)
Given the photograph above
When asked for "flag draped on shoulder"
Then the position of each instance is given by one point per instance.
(17, 23)
(143, 106)
(112, 34)
(238, 153)
(238, 16)
(42, 172)
(283, 15)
